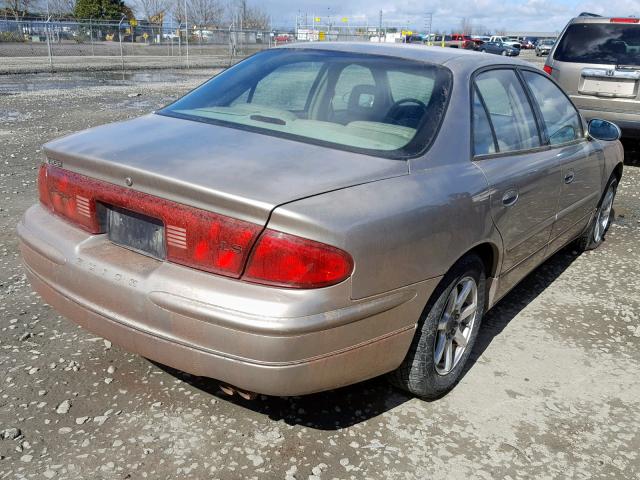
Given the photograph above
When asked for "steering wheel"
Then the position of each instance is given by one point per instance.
(395, 108)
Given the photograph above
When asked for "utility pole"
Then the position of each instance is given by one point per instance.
(428, 20)
(380, 28)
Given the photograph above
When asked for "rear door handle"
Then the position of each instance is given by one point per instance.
(568, 178)
(510, 197)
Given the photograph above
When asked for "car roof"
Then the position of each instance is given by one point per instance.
(597, 19)
(421, 53)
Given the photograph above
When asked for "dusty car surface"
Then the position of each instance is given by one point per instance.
(321, 214)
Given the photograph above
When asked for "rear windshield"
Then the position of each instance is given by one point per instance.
(372, 104)
(603, 43)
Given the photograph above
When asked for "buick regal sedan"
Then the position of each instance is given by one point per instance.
(321, 214)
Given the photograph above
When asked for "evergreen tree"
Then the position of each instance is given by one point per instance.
(101, 9)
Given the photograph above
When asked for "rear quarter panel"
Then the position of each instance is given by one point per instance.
(401, 230)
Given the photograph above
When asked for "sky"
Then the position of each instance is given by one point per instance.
(494, 15)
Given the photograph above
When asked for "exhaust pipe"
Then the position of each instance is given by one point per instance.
(231, 391)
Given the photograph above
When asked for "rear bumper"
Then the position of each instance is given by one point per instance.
(262, 339)
(629, 123)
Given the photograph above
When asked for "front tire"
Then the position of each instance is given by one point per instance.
(446, 332)
(504, 53)
(601, 221)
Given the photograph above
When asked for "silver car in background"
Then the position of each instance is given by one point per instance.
(543, 47)
(320, 214)
(596, 60)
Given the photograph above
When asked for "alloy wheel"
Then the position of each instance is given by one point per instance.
(604, 214)
(456, 325)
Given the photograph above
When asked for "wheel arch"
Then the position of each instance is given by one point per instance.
(617, 171)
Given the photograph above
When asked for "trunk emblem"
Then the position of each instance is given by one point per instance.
(128, 181)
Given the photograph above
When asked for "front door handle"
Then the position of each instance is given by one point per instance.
(569, 177)
(510, 197)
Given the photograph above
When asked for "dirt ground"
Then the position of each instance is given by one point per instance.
(553, 390)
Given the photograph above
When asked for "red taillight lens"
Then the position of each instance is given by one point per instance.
(206, 240)
(625, 20)
(285, 260)
(548, 69)
(193, 237)
(69, 198)
(43, 188)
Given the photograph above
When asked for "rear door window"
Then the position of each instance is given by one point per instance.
(509, 110)
(405, 86)
(600, 43)
(560, 117)
(483, 143)
(287, 87)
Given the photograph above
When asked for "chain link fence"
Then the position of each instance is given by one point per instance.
(178, 45)
(32, 45)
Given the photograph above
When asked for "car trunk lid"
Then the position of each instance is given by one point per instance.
(232, 172)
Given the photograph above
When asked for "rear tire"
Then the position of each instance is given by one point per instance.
(593, 236)
(504, 53)
(445, 336)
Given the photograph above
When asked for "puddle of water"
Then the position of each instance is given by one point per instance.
(7, 116)
(12, 84)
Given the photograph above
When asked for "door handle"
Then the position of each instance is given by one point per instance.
(568, 178)
(510, 197)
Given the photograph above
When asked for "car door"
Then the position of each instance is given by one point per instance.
(492, 47)
(524, 177)
(582, 161)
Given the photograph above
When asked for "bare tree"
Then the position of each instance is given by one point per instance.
(256, 19)
(61, 8)
(17, 8)
(466, 26)
(479, 29)
(206, 13)
(249, 17)
(154, 11)
(178, 11)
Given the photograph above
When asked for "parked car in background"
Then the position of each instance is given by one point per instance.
(597, 62)
(285, 238)
(499, 47)
(505, 40)
(461, 41)
(528, 43)
(480, 39)
(543, 47)
(437, 39)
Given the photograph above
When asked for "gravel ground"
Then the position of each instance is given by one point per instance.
(552, 392)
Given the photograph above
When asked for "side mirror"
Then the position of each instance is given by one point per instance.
(604, 130)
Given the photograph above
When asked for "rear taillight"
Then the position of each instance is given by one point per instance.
(625, 20)
(198, 238)
(69, 198)
(193, 237)
(205, 240)
(285, 260)
(548, 69)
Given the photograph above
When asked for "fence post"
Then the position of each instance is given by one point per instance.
(91, 36)
(49, 44)
(120, 39)
(186, 29)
